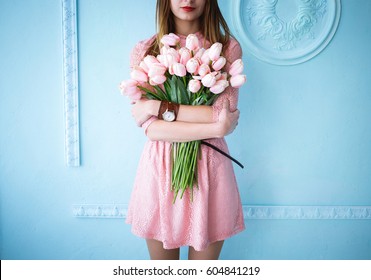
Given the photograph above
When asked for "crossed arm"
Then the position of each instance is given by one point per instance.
(193, 122)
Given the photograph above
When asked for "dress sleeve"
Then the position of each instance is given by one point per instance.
(137, 54)
(136, 57)
(232, 53)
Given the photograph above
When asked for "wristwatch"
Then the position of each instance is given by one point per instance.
(168, 111)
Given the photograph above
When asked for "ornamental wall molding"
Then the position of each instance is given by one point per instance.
(286, 32)
(119, 211)
(71, 84)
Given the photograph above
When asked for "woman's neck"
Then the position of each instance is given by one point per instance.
(186, 27)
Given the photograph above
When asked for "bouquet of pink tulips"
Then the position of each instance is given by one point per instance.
(187, 75)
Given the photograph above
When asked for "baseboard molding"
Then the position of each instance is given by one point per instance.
(119, 211)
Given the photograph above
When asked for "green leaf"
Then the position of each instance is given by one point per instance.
(173, 91)
(197, 101)
(167, 87)
(182, 92)
(145, 89)
(150, 94)
(160, 93)
(212, 99)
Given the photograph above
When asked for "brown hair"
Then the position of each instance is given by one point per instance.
(213, 25)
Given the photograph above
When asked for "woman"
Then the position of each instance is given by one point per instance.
(215, 212)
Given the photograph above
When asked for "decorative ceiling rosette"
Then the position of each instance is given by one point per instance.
(286, 32)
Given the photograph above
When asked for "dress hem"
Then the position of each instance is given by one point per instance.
(197, 248)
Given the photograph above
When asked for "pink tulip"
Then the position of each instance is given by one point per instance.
(157, 80)
(134, 96)
(174, 53)
(192, 42)
(130, 89)
(219, 86)
(144, 66)
(237, 81)
(215, 51)
(192, 65)
(199, 53)
(209, 80)
(185, 55)
(139, 75)
(166, 60)
(171, 69)
(164, 49)
(203, 70)
(205, 58)
(236, 67)
(156, 69)
(194, 86)
(149, 60)
(163, 60)
(219, 63)
(170, 39)
(128, 86)
(179, 69)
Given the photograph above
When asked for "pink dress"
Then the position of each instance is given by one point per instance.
(215, 213)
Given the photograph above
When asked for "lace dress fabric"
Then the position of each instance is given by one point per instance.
(216, 212)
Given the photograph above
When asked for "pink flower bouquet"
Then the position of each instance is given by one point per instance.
(187, 75)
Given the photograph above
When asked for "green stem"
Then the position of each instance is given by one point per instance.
(184, 167)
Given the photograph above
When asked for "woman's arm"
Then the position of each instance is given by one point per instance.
(179, 131)
(143, 109)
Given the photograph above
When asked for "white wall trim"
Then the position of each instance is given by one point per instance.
(119, 211)
(71, 84)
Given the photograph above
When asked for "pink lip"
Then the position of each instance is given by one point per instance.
(188, 9)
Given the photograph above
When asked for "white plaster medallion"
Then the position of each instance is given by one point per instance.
(286, 32)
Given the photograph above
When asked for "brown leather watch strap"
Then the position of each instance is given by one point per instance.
(174, 107)
(162, 109)
(166, 105)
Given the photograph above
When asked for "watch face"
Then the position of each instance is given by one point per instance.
(168, 116)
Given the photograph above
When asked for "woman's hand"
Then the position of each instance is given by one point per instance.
(144, 109)
(227, 120)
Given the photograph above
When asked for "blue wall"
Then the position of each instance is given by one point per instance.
(304, 136)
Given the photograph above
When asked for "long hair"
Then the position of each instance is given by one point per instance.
(212, 23)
